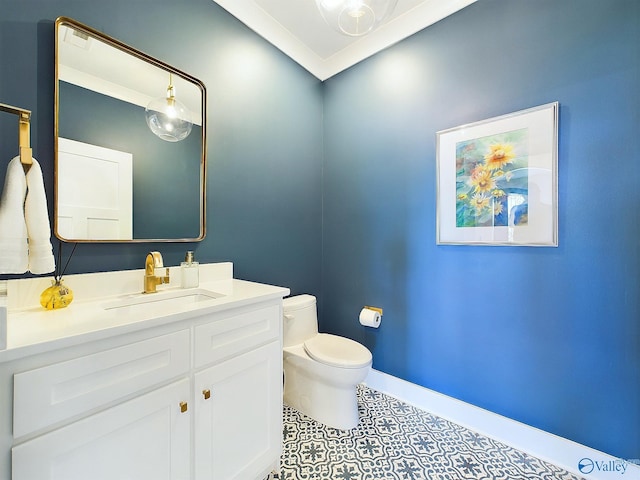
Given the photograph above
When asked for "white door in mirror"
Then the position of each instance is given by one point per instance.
(95, 192)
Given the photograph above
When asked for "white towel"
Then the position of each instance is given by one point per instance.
(13, 229)
(36, 215)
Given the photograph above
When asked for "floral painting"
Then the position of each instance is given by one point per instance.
(497, 181)
(492, 180)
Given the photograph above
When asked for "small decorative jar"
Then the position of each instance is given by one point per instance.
(58, 295)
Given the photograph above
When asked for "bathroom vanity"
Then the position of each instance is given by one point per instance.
(180, 384)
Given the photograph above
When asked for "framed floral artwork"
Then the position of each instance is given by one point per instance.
(497, 180)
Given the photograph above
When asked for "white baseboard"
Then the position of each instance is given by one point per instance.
(538, 443)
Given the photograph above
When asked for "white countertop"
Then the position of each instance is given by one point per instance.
(31, 329)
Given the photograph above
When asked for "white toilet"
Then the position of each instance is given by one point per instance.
(321, 371)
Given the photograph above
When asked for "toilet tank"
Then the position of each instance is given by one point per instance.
(300, 320)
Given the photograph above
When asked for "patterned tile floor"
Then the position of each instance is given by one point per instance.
(398, 441)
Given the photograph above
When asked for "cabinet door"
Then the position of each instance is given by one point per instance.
(56, 393)
(238, 428)
(146, 438)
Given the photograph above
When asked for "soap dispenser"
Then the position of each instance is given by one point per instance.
(189, 272)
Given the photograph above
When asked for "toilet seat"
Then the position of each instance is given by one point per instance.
(337, 351)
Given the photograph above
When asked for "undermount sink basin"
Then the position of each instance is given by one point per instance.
(143, 302)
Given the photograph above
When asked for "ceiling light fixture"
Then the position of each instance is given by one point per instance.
(355, 17)
(168, 118)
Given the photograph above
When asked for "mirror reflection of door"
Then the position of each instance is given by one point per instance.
(95, 192)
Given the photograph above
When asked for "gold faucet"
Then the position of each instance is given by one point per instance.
(151, 279)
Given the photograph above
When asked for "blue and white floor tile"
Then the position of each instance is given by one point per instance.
(395, 440)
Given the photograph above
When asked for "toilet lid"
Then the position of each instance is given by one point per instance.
(337, 351)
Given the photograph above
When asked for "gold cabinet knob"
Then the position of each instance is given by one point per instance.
(207, 394)
(183, 407)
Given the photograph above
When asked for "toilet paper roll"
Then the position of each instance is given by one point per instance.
(370, 318)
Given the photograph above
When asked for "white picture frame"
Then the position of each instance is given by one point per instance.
(497, 180)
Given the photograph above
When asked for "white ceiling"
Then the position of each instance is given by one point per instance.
(96, 64)
(296, 28)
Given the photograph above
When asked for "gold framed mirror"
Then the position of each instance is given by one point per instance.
(115, 179)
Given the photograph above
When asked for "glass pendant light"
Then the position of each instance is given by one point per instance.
(168, 118)
(355, 17)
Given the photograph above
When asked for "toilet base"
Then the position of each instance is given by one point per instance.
(342, 414)
(333, 403)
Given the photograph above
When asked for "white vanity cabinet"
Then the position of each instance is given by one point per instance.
(197, 400)
(237, 431)
(144, 438)
(237, 434)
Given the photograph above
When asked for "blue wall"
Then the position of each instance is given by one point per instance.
(330, 189)
(264, 129)
(547, 336)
